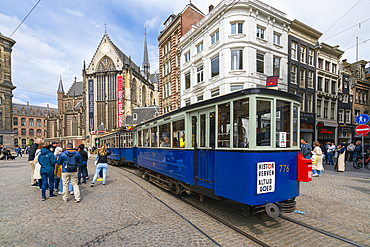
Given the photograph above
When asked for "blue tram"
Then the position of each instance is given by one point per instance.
(241, 146)
(121, 144)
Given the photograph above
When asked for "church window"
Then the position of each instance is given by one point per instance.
(112, 86)
(143, 96)
(133, 90)
(74, 127)
(101, 87)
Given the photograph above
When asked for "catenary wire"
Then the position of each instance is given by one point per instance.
(363, 42)
(347, 29)
(24, 18)
(20, 89)
(343, 16)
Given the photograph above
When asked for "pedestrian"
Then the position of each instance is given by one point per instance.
(317, 167)
(19, 152)
(330, 153)
(350, 149)
(82, 167)
(69, 160)
(53, 146)
(357, 151)
(31, 158)
(6, 152)
(306, 149)
(58, 171)
(47, 161)
(341, 161)
(102, 164)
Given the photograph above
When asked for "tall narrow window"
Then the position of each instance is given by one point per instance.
(215, 66)
(318, 111)
(263, 131)
(224, 125)
(260, 63)
(200, 74)
(236, 28)
(236, 59)
(309, 102)
(164, 136)
(293, 75)
(283, 123)
(187, 80)
(260, 33)
(332, 111)
(319, 83)
(303, 54)
(302, 94)
(241, 123)
(340, 116)
(302, 80)
(15, 121)
(320, 63)
(348, 116)
(215, 37)
(187, 56)
(276, 39)
(139, 139)
(310, 56)
(327, 85)
(295, 125)
(146, 138)
(326, 106)
(178, 134)
(200, 47)
(23, 122)
(334, 68)
(30, 122)
(202, 127)
(294, 50)
(153, 137)
(276, 66)
(333, 87)
(310, 79)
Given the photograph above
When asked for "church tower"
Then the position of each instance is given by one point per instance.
(145, 67)
(60, 93)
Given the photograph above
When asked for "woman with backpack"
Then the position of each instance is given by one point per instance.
(102, 164)
(47, 161)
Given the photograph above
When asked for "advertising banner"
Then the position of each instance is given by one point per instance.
(119, 100)
(91, 104)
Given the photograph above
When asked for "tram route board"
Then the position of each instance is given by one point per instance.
(265, 177)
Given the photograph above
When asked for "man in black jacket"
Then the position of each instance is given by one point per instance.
(31, 157)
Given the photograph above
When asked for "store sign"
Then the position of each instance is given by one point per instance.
(272, 81)
(320, 125)
(119, 100)
(91, 104)
(282, 139)
(265, 177)
(324, 131)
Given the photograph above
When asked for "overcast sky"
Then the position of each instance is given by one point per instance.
(59, 35)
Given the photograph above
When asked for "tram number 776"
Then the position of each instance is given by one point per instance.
(284, 168)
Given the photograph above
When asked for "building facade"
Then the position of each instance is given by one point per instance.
(68, 125)
(236, 45)
(6, 89)
(113, 86)
(327, 92)
(302, 74)
(30, 122)
(169, 56)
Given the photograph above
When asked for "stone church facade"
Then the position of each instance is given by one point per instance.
(6, 95)
(113, 86)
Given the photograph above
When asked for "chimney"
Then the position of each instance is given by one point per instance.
(210, 8)
(28, 104)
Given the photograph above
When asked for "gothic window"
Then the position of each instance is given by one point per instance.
(74, 127)
(100, 68)
(133, 90)
(69, 106)
(151, 98)
(101, 87)
(112, 86)
(143, 94)
(106, 64)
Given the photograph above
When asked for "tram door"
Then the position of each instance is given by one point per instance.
(203, 142)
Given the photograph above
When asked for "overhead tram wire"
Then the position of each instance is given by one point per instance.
(20, 89)
(363, 42)
(25, 18)
(343, 16)
(347, 29)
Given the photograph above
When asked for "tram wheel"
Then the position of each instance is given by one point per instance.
(273, 210)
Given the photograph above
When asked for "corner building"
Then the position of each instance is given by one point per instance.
(6, 91)
(238, 44)
(169, 56)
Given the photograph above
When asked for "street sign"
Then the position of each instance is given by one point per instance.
(362, 119)
(362, 129)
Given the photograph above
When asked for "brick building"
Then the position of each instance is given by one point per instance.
(169, 56)
(30, 122)
(6, 88)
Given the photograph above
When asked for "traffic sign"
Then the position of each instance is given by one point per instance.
(362, 119)
(362, 129)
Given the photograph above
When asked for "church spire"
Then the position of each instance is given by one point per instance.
(60, 88)
(146, 66)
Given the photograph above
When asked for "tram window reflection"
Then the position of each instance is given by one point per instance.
(202, 130)
(154, 137)
(178, 133)
(241, 123)
(146, 138)
(139, 137)
(283, 124)
(212, 129)
(263, 130)
(295, 125)
(164, 136)
(224, 125)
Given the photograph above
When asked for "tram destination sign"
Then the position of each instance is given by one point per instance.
(265, 177)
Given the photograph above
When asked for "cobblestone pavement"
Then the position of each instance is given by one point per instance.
(124, 214)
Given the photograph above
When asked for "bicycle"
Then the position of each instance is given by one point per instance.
(358, 162)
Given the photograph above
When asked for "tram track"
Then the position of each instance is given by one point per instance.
(240, 231)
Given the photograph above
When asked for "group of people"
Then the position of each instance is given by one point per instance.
(327, 154)
(54, 168)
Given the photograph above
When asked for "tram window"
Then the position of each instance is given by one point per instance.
(139, 137)
(295, 125)
(241, 123)
(164, 135)
(224, 125)
(146, 138)
(122, 143)
(193, 130)
(178, 134)
(154, 137)
(283, 124)
(203, 130)
(263, 131)
(212, 129)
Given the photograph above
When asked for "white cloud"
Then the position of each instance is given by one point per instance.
(18, 101)
(75, 13)
(153, 24)
(48, 104)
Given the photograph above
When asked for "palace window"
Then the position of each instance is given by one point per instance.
(15, 121)
(200, 47)
(38, 132)
(23, 132)
(23, 122)
(30, 122)
(15, 131)
(215, 66)
(277, 39)
(187, 80)
(236, 59)
(38, 122)
(215, 37)
(31, 132)
(200, 74)
(187, 56)
(260, 33)
(236, 28)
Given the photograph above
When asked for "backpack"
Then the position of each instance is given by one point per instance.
(70, 164)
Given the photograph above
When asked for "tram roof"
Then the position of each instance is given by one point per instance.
(227, 96)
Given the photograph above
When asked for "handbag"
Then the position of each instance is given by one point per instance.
(36, 173)
(314, 158)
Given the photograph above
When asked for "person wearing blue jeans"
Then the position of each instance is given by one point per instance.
(47, 161)
(331, 151)
(102, 164)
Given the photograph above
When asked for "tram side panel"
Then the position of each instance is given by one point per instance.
(114, 154)
(127, 155)
(256, 178)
